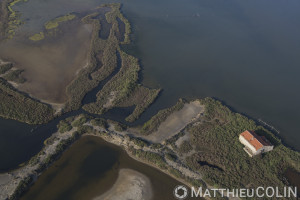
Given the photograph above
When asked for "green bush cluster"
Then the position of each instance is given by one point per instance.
(185, 147)
(156, 146)
(119, 127)
(220, 156)
(139, 142)
(150, 157)
(18, 106)
(64, 126)
(85, 129)
(5, 67)
(171, 157)
(99, 122)
(37, 37)
(80, 121)
(15, 76)
(55, 22)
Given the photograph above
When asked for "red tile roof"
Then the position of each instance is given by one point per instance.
(256, 141)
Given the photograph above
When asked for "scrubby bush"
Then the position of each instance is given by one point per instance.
(55, 22)
(15, 76)
(85, 129)
(18, 106)
(5, 67)
(99, 122)
(64, 126)
(79, 122)
(171, 157)
(185, 147)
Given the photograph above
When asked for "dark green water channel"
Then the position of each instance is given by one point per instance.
(89, 168)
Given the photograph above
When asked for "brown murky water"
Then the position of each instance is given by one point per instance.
(89, 168)
(50, 64)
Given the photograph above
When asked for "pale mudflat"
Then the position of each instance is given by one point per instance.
(130, 185)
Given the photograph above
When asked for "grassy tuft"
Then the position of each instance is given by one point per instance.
(55, 22)
(37, 36)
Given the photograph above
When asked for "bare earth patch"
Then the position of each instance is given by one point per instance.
(177, 121)
(130, 185)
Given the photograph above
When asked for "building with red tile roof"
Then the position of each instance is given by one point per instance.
(254, 144)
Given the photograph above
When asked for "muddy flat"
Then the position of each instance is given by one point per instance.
(177, 121)
(50, 64)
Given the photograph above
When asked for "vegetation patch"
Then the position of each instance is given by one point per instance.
(118, 126)
(5, 67)
(37, 36)
(99, 122)
(150, 157)
(122, 90)
(185, 147)
(18, 106)
(220, 156)
(80, 121)
(64, 126)
(85, 129)
(102, 62)
(127, 92)
(15, 76)
(55, 22)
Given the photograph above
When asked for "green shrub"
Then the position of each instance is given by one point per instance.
(5, 67)
(139, 142)
(18, 106)
(37, 36)
(185, 147)
(171, 157)
(79, 122)
(151, 157)
(220, 157)
(15, 76)
(85, 129)
(99, 122)
(55, 22)
(64, 126)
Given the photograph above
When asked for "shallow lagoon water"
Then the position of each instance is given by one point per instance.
(245, 53)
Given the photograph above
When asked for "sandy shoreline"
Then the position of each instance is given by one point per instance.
(129, 185)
